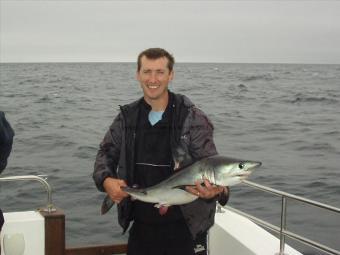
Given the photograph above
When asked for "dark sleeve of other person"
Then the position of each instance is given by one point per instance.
(6, 141)
(1, 220)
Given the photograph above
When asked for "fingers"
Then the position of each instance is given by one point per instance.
(207, 191)
(224, 189)
(113, 186)
(193, 190)
(202, 190)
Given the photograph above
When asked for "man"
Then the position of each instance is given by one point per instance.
(6, 141)
(147, 141)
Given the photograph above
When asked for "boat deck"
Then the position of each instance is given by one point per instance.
(234, 231)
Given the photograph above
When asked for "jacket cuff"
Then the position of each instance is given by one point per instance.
(102, 178)
(223, 197)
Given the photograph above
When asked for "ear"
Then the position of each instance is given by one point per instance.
(137, 75)
(172, 74)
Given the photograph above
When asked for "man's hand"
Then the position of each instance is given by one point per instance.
(112, 187)
(206, 192)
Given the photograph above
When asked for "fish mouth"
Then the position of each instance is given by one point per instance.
(243, 175)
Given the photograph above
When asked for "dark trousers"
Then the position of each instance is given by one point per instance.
(165, 239)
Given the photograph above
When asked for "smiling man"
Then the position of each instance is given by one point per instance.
(148, 140)
(154, 76)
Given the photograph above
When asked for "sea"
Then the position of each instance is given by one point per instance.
(285, 115)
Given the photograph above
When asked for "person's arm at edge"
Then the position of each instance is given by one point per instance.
(107, 158)
(201, 133)
(105, 174)
(6, 140)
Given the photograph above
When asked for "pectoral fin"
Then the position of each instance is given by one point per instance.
(108, 203)
(183, 187)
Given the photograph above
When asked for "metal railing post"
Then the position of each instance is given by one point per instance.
(49, 207)
(283, 225)
(282, 231)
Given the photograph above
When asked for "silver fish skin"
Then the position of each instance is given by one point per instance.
(219, 170)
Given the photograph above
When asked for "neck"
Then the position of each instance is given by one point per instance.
(158, 104)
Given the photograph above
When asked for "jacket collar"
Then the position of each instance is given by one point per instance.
(176, 100)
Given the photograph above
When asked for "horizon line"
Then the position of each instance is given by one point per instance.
(178, 62)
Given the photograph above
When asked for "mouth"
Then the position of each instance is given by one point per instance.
(152, 86)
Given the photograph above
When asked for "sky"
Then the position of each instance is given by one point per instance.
(270, 31)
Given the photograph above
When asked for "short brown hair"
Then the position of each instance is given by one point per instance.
(156, 53)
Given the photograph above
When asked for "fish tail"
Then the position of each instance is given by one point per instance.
(106, 205)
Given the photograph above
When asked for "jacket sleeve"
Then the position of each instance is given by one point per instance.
(223, 198)
(201, 135)
(6, 141)
(202, 142)
(108, 154)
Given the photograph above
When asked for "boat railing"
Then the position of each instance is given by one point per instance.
(282, 230)
(49, 208)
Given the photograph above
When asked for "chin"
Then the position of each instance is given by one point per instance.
(154, 94)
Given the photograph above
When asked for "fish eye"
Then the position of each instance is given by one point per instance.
(241, 165)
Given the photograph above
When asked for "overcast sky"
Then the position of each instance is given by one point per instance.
(194, 31)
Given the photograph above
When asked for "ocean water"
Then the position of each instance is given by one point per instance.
(285, 115)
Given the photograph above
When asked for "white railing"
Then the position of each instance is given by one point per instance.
(283, 232)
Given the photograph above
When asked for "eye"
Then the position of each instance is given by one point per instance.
(241, 165)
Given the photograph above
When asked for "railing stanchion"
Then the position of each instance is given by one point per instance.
(283, 225)
(282, 231)
(49, 206)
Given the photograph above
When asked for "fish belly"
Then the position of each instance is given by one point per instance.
(166, 197)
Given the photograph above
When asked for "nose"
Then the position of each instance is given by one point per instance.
(152, 78)
(253, 165)
(257, 164)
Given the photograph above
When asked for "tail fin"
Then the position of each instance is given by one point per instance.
(106, 205)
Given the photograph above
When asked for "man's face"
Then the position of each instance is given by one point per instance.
(154, 77)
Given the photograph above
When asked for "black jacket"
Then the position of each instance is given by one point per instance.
(191, 139)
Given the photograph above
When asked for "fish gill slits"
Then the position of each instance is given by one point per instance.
(212, 177)
(209, 175)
